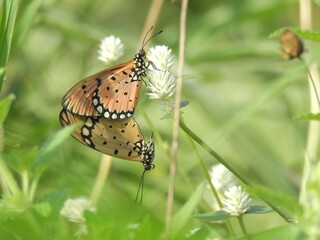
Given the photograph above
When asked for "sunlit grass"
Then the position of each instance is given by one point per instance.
(243, 100)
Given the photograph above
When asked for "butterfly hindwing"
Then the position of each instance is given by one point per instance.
(121, 138)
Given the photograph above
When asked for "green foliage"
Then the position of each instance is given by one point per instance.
(48, 148)
(182, 216)
(309, 116)
(240, 107)
(223, 215)
(7, 20)
(5, 106)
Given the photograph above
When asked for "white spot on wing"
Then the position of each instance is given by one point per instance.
(114, 116)
(87, 141)
(106, 114)
(89, 122)
(99, 109)
(85, 131)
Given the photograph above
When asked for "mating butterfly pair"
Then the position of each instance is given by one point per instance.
(105, 102)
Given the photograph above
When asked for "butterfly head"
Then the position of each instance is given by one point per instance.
(147, 153)
(142, 53)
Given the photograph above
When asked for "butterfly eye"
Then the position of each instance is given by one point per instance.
(142, 53)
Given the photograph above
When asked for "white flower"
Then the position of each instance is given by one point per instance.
(161, 57)
(73, 210)
(110, 49)
(221, 177)
(236, 201)
(162, 84)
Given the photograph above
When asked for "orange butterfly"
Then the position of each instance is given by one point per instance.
(121, 138)
(112, 93)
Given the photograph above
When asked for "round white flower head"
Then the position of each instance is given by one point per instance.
(161, 57)
(221, 177)
(110, 49)
(236, 201)
(74, 208)
(162, 84)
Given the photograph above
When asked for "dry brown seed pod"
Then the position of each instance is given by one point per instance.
(291, 45)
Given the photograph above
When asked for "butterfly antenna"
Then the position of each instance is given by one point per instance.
(140, 189)
(144, 42)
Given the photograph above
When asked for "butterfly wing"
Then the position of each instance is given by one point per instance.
(117, 96)
(78, 99)
(121, 138)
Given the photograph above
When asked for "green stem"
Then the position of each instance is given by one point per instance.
(229, 167)
(213, 189)
(25, 183)
(33, 187)
(243, 227)
(7, 179)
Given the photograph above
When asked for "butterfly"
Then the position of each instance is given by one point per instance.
(112, 93)
(121, 138)
(291, 45)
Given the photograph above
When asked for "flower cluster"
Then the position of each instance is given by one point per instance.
(110, 49)
(73, 209)
(221, 178)
(162, 84)
(235, 201)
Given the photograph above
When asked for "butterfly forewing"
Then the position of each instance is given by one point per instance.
(117, 97)
(112, 93)
(121, 138)
(78, 99)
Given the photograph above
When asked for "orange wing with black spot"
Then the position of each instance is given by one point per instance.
(78, 99)
(112, 93)
(121, 138)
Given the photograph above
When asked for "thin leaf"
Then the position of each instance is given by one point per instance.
(309, 116)
(304, 34)
(182, 216)
(258, 209)
(25, 21)
(7, 21)
(213, 216)
(49, 147)
(5, 107)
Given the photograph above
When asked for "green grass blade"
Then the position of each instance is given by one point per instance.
(183, 215)
(8, 17)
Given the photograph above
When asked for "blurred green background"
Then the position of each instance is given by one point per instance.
(243, 100)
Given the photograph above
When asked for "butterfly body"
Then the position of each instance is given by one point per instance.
(112, 93)
(120, 138)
